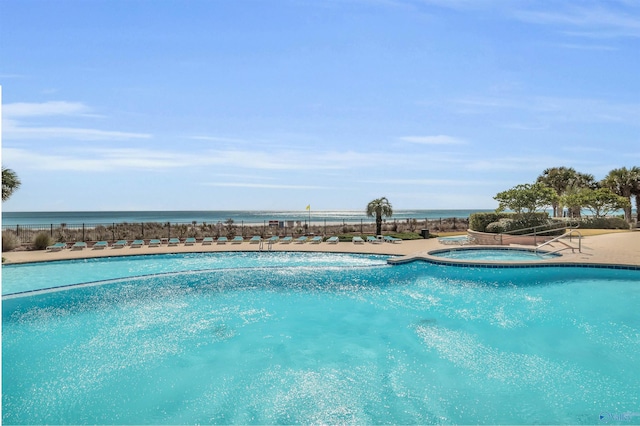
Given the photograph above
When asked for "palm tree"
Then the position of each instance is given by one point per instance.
(623, 182)
(559, 179)
(636, 190)
(10, 183)
(378, 208)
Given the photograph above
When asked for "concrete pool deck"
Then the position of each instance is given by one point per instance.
(621, 248)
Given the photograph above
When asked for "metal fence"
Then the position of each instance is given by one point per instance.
(64, 232)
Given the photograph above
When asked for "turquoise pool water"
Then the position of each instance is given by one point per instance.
(357, 342)
(492, 254)
(37, 276)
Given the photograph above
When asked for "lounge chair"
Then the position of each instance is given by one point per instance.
(137, 243)
(237, 240)
(273, 239)
(255, 239)
(174, 241)
(120, 244)
(287, 240)
(316, 240)
(301, 240)
(333, 240)
(100, 245)
(80, 245)
(57, 247)
(154, 243)
(357, 240)
(390, 239)
(190, 241)
(207, 241)
(222, 240)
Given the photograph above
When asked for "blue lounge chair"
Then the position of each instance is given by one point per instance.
(273, 239)
(237, 240)
(207, 241)
(154, 243)
(80, 245)
(174, 241)
(316, 240)
(137, 243)
(255, 239)
(190, 241)
(287, 240)
(333, 240)
(57, 247)
(357, 240)
(100, 245)
(301, 240)
(390, 239)
(119, 244)
(222, 240)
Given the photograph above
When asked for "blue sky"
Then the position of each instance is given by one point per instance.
(274, 105)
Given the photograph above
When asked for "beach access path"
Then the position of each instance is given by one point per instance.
(620, 248)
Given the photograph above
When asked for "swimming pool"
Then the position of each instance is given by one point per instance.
(352, 342)
(493, 254)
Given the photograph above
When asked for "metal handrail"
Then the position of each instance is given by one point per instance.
(535, 233)
(566, 234)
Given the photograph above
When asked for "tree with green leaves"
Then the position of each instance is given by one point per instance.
(565, 180)
(526, 198)
(601, 202)
(623, 182)
(10, 183)
(379, 207)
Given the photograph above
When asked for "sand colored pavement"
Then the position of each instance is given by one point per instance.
(622, 248)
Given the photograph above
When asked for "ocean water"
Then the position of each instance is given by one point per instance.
(215, 216)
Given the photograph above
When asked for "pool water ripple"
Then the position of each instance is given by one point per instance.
(413, 343)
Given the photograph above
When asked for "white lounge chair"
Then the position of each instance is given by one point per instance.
(190, 241)
(316, 240)
(100, 245)
(237, 240)
(174, 241)
(301, 240)
(333, 240)
(255, 239)
(222, 240)
(357, 240)
(207, 241)
(287, 240)
(137, 243)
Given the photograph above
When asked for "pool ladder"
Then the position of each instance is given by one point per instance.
(269, 245)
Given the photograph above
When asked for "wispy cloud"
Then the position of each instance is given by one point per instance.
(433, 140)
(545, 109)
(13, 130)
(17, 125)
(591, 19)
(263, 185)
(33, 109)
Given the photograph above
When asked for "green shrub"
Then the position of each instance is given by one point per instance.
(507, 222)
(41, 241)
(604, 223)
(479, 221)
(9, 241)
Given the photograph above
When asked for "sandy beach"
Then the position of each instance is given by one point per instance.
(621, 248)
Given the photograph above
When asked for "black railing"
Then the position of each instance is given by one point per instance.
(67, 232)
